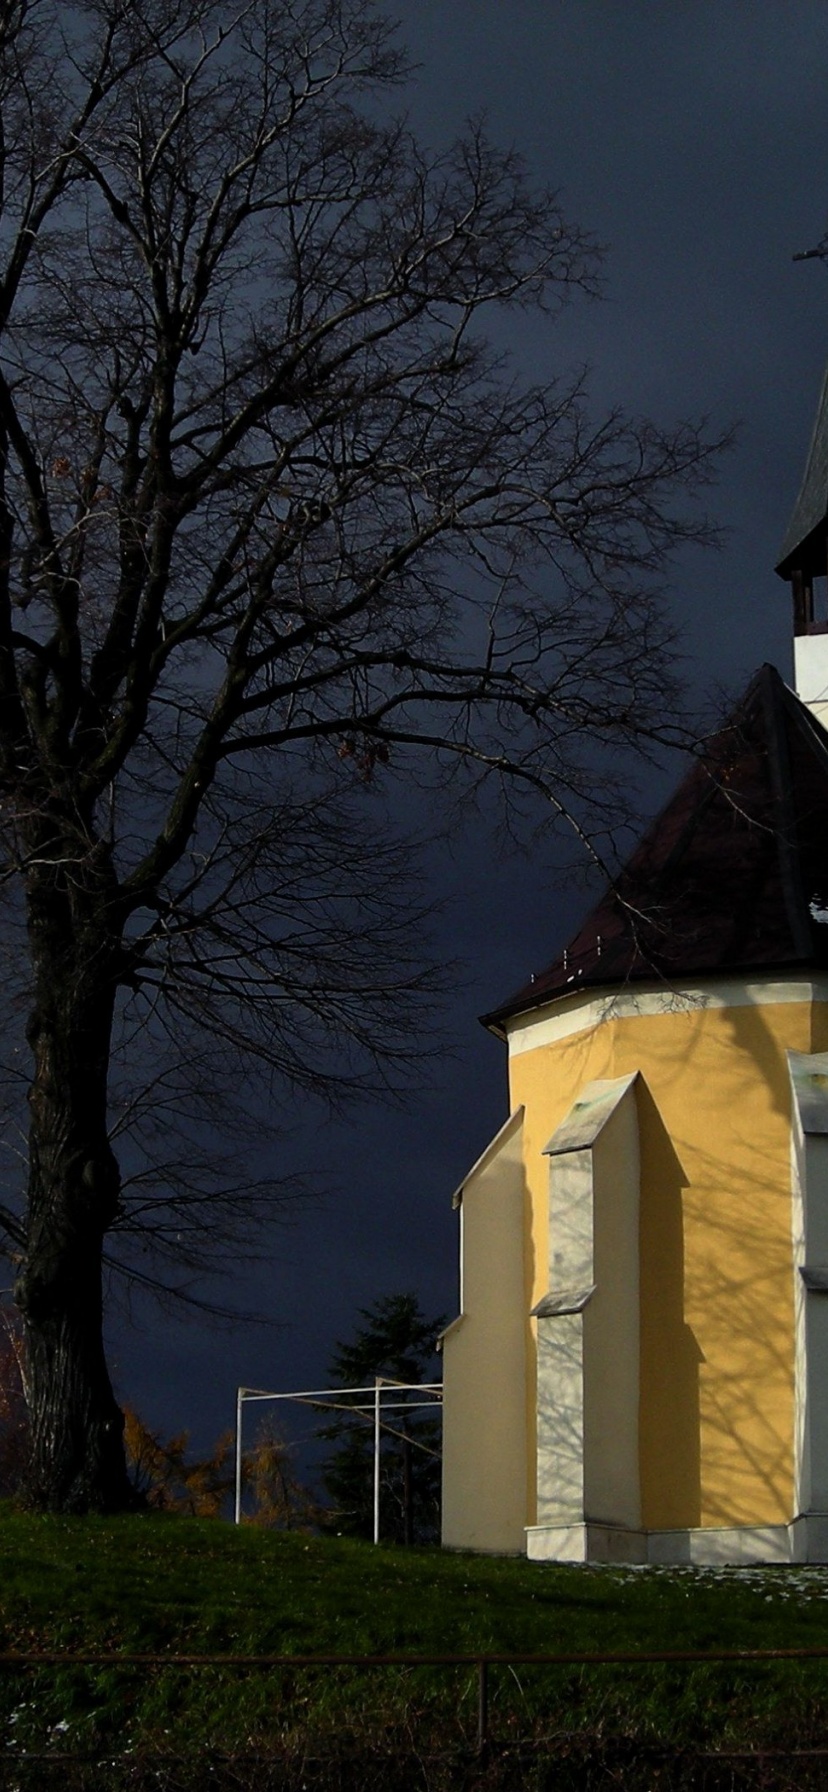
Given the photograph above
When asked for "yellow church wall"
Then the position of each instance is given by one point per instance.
(484, 1447)
(717, 1345)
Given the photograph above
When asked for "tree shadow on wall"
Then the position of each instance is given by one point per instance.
(669, 1413)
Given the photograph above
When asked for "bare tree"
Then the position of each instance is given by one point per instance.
(275, 524)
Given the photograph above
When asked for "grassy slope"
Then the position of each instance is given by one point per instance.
(149, 1584)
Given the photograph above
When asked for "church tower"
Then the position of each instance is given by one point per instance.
(640, 1368)
(804, 563)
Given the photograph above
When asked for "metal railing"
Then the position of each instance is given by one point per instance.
(341, 1400)
(479, 1660)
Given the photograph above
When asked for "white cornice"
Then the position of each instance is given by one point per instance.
(579, 1013)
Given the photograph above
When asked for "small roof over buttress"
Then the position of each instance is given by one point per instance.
(732, 876)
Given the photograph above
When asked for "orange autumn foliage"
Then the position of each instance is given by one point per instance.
(276, 1496)
(167, 1480)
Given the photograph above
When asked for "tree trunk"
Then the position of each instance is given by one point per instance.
(77, 1455)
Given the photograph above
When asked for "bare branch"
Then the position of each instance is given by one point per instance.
(280, 535)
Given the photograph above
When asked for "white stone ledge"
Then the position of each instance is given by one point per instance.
(709, 1546)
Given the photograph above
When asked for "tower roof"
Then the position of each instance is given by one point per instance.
(731, 877)
(803, 549)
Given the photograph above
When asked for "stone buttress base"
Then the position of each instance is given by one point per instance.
(804, 1540)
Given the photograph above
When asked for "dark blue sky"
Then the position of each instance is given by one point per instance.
(691, 139)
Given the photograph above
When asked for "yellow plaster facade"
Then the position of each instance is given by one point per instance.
(484, 1432)
(712, 1092)
(716, 1349)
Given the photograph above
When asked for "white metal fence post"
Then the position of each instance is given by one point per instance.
(377, 1386)
(239, 1405)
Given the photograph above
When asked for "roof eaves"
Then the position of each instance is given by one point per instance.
(811, 508)
(781, 717)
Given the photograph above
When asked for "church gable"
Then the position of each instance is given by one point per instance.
(731, 876)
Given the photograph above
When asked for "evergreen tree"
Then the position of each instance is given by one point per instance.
(397, 1341)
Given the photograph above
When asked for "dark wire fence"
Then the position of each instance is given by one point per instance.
(12, 1659)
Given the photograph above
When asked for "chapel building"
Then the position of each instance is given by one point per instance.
(639, 1371)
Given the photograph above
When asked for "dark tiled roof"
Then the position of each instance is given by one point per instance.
(731, 877)
(804, 544)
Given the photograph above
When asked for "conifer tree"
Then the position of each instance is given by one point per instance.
(398, 1341)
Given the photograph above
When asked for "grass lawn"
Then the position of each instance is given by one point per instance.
(167, 1585)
